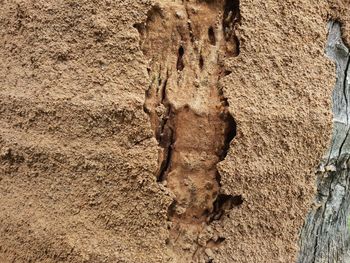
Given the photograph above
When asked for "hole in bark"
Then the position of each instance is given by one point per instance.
(224, 203)
(231, 13)
(230, 19)
(146, 110)
(237, 200)
(227, 72)
(180, 63)
(201, 62)
(211, 36)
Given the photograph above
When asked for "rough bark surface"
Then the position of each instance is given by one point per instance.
(80, 159)
(325, 235)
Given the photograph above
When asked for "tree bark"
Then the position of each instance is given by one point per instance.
(325, 234)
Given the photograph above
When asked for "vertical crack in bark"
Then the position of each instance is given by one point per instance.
(345, 87)
(186, 44)
(342, 144)
(165, 134)
(345, 74)
(325, 234)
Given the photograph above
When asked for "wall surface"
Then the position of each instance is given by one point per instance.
(79, 152)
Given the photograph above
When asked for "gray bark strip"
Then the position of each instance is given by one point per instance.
(325, 234)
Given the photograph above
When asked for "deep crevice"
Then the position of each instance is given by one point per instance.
(230, 134)
(224, 203)
(166, 163)
(231, 15)
(163, 94)
(344, 88)
(230, 20)
(165, 137)
(180, 62)
(211, 36)
(201, 61)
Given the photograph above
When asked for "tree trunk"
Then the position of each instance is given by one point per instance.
(325, 234)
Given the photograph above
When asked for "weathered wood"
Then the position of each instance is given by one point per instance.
(325, 234)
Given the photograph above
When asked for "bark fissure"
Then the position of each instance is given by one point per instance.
(344, 88)
(343, 143)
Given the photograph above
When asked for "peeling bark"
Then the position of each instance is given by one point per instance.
(325, 234)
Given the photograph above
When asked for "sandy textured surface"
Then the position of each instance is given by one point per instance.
(339, 11)
(79, 157)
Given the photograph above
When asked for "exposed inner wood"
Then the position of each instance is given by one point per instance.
(186, 43)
